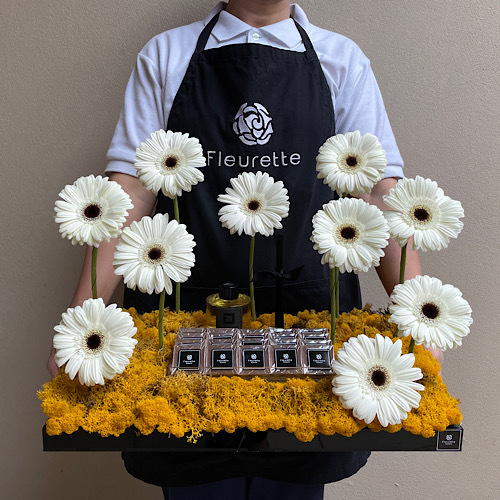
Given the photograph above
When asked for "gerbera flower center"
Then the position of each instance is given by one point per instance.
(155, 254)
(379, 377)
(421, 214)
(94, 341)
(253, 205)
(348, 233)
(170, 162)
(430, 310)
(350, 163)
(92, 212)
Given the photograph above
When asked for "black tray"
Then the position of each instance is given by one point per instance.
(267, 441)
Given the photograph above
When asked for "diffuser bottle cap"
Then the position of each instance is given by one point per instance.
(228, 291)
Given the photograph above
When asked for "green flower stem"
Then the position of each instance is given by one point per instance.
(333, 302)
(412, 344)
(176, 210)
(337, 293)
(177, 297)
(160, 319)
(177, 285)
(250, 276)
(402, 266)
(93, 272)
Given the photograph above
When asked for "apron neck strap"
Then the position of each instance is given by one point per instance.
(205, 34)
(305, 38)
(203, 38)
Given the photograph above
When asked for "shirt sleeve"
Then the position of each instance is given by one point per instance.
(142, 114)
(359, 106)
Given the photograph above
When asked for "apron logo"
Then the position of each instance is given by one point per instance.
(252, 124)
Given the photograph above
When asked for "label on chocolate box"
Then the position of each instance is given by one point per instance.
(319, 359)
(285, 358)
(253, 358)
(222, 359)
(189, 359)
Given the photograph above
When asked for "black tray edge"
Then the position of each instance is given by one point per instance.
(264, 442)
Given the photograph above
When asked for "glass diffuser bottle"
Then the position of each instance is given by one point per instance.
(228, 308)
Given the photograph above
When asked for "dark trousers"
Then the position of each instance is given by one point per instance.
(246, 488)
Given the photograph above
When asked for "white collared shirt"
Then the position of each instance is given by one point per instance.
(162, 64)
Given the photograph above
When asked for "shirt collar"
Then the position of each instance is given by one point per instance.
(285, 32)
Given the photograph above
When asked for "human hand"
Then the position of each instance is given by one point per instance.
(51, 363)
(437, 353)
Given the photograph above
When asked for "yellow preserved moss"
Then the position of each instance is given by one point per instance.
(146, 397)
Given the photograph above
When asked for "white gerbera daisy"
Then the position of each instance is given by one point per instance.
(255, 204)
(423, 211)
(169, 161)
(374, 379)
(433, 314)
(350, 234)
(94, 341)
(350, 163)
(153, 252)
(92, 210)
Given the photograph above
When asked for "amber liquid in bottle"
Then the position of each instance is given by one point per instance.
(228, 308)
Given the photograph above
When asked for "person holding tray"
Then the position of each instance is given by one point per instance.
(306, 84)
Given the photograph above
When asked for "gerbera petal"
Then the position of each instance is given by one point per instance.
(172, 258)
(351, 163)
(73, 365)
(269, 197)
(169, 161)
(94, 360)
(373, 378)
(442, 324)
(424, 212)
(93, 210)
(358, 248)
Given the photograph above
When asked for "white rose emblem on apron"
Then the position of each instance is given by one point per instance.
(252, 124)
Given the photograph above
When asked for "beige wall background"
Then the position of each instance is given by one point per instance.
(64, 67)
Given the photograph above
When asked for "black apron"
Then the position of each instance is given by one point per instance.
(253, 107)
